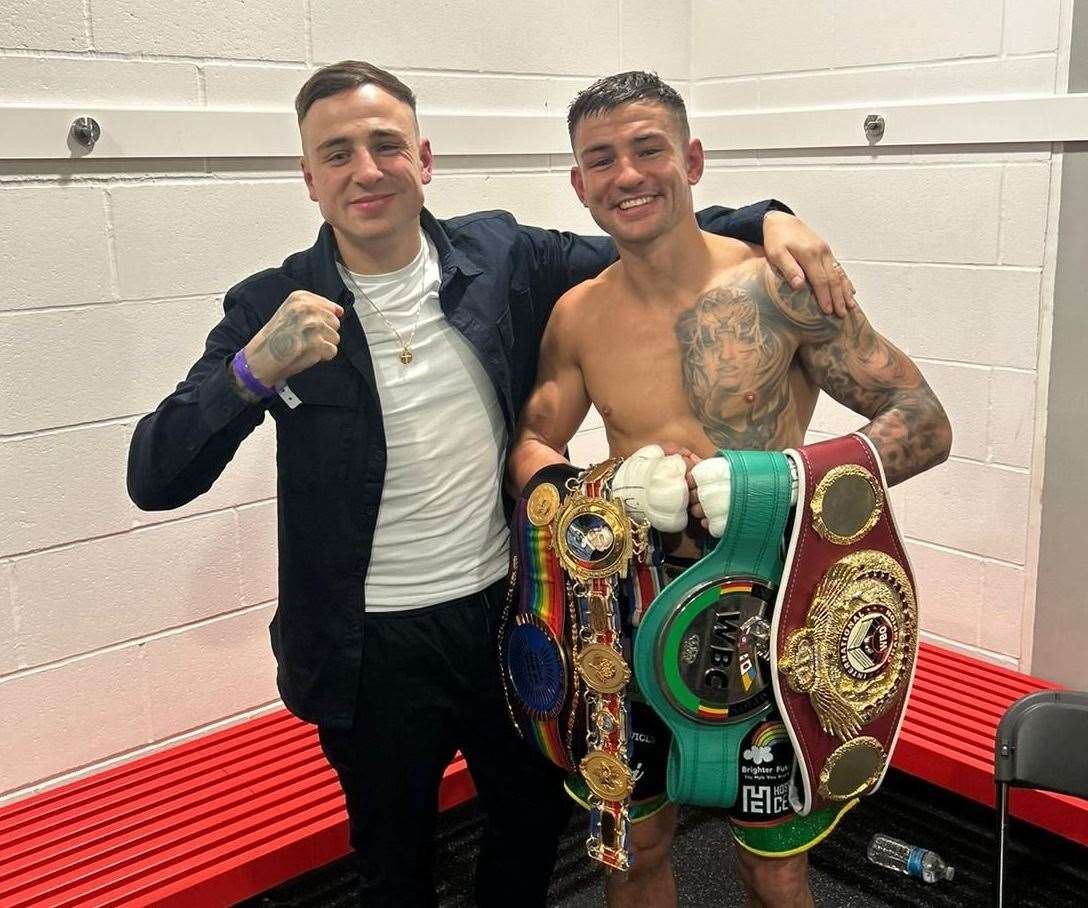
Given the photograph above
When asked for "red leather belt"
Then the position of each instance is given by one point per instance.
(845, 630)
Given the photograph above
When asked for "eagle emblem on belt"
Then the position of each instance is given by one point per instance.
(854, 651)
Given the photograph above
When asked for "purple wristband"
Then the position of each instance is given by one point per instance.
(246, 377)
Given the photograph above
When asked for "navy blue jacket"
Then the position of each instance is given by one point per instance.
(500, 280)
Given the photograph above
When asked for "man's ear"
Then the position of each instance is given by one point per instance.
(579, 186)
(426, 161)
(308, 177)
(694, 161)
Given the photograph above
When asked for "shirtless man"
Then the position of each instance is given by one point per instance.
(692, 342)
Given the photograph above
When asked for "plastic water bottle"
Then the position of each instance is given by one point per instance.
(920, 863)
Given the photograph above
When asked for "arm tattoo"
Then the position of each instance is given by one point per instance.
(737, 344)
(864, 371)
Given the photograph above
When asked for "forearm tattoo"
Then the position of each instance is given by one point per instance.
(865, 372)
(738, 343)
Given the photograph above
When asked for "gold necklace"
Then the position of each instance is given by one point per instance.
(406, 354)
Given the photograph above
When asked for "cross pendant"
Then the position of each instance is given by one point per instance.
(405, 355)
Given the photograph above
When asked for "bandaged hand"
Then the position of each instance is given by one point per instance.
(653, 486)
(712, 492)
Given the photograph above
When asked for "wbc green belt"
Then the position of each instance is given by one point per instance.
(701, 652)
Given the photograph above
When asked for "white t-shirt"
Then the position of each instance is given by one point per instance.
(440, 532)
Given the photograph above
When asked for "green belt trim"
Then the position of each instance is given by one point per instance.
(703, 757)
(795, 836)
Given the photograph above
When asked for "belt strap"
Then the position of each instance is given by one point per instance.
(706, 740)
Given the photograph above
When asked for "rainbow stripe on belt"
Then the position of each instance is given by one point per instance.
(541, 620)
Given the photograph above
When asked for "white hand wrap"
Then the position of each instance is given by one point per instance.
(712, 483)
(654, 488)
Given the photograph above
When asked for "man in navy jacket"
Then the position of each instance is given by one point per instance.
(394, 401)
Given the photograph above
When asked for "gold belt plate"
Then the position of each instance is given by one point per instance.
(592, 538)
(602, 668)
(543, 504)
(852, 769)
(856, 648)
(606, 776)
(846, 504)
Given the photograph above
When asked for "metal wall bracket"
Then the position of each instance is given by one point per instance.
(85, 131)
(874, 128)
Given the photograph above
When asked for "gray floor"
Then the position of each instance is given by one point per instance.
(1045, 871)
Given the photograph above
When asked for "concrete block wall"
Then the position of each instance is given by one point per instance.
(949, 249)
(121, 630)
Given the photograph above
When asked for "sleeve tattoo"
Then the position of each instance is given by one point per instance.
(867, 373)
(737, 344)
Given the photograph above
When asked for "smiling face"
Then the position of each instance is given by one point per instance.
(365, 166)
(634, 171)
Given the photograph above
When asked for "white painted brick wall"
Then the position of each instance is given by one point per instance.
(545, 199)
(9, 637)
(249, 85)
(864, 207)
(1031, 26)
(37, 223)
(227, 662)
(196, 576)
(249, 477)
(72, 714)
(947, 247)
(860, 51)
(816, 35)
(271, 219)
(257, 550)
(242, 29)
(114, 83)
(529, 36)
(949, 592)
(56, 498)
(43, 24)
(51, 362)
(120, 628)
(1023, 214)
(1012, 417)
(656, 36)
(1003, 603)
(973, 507)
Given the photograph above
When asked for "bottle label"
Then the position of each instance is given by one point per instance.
(914, 862)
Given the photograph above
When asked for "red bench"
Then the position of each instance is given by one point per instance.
(948, 736)
(231, 814)
(205, 823)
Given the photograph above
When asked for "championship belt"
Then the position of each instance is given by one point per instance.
(845, 629)
(535, 637)
(561, 651)
(595, 541)
(701, 651)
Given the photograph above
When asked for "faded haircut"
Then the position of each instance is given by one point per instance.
(347, 75)
(611, 92)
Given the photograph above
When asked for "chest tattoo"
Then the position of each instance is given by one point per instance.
(735, 355)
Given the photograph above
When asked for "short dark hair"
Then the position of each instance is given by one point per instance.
(611, 92)
(346, 75)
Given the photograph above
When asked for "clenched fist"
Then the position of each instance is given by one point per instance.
(305, 330)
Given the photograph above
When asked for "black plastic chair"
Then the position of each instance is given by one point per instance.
(1042, 742)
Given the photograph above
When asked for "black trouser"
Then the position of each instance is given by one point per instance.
(431, 686)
